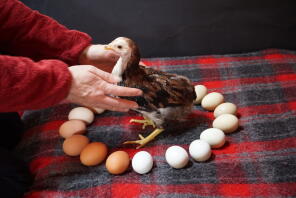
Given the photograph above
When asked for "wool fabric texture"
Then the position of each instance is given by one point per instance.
(258, 160)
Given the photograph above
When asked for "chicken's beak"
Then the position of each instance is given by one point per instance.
(108, 47)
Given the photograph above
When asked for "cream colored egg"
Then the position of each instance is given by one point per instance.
(225, 108)
(200, 91)
(98, 110)
(215, 137)
(228, 123)
(212, 100)
(81, 113)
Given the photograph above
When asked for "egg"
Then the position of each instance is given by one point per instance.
(226, 122)
(142, 162)
(214, 137)
(71, 127)
(212, 100)
(93, 154)
(200, 150)
(73, 145)
(118, 162)
(176, 157)
(225, 108)
(200, 91)
(81, 113)
(98, 110)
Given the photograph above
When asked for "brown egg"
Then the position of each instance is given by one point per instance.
(93, 154)
(71, 127)
(117, 162)
(73, 145)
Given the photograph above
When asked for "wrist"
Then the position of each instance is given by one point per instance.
(83, 59)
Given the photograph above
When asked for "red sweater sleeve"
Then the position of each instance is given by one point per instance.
(24, 32)
(25, 84)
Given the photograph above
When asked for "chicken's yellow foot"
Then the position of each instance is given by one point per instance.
(143, 141)
(145, 122)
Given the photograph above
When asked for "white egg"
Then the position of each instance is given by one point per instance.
(142, 162)
(98, 110)
(225, 108)
(228, 123)
(200, 91)
(81, 113)
(176, 157)
(200, 150)
(215, 137)
(212, 100)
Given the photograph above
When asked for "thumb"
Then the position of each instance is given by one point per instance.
(104, 75)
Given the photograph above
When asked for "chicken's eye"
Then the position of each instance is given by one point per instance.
(119, 46)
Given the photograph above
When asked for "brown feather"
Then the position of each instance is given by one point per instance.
(160, 89)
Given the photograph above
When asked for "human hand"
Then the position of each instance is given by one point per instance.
(97, 56)
(93, 87)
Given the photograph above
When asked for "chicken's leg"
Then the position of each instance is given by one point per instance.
(145, 122)
(143, 141)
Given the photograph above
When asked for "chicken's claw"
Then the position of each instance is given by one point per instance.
(145, 122)
(143, 141)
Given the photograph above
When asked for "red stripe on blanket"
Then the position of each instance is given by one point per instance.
(136, 190)
(286, 77)
(98, 191)
(266, 109)
(245, 81)
(235, 189)
(292, 105)
(251, 190)
(272, 57)
(42, 162)
(49, 126)
(251, 147)
(216, 60)
(123, 190)
(198, 60)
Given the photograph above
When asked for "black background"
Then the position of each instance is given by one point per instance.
(181, 28)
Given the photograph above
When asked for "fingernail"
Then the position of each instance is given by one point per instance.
(135, 106)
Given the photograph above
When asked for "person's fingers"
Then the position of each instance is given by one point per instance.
(111, 108)
(104, 75)
(116, 90)
(118, 109)
(118, 102)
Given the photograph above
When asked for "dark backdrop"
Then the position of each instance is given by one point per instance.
(181, 27)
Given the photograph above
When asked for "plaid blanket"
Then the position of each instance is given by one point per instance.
(259, 160)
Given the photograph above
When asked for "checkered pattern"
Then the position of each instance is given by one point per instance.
(259, 160)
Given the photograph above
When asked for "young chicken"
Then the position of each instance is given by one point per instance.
(166, 97)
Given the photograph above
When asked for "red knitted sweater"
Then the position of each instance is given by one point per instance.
(35, 73)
